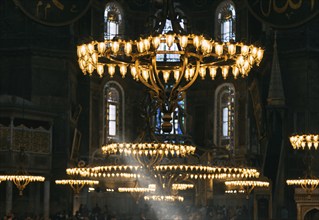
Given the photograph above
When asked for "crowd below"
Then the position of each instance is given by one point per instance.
(146, 212)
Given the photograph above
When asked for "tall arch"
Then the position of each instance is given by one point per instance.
(225, 108)
(311, 214)
(225, 21)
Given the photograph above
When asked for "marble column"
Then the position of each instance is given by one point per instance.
(299, 212)
(46, 203)
(76, 202)
(37, 199)
(8, 197)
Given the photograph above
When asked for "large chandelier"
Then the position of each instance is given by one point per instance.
(167, 81)
(308, 184)
(21, 180)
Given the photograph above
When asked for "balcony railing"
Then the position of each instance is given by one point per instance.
(35, 140)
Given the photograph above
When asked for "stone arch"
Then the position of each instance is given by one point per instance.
(311, 214)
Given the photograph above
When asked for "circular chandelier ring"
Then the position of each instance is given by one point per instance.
(151, 149)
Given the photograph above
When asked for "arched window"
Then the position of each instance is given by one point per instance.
(112, 20)
(225, 116)
(225, 21)
(163, 47)
(113, 112)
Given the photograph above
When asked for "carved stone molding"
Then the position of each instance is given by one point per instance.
(306, 202)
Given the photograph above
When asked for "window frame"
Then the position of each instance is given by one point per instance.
(120, 26)
(219, 23)
(168, 27)
(120, 126)
(219, 139)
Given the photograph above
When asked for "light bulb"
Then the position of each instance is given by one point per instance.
(212, 71)
(123, 69)
(83, 49)
(140, 46)
(127, 48)
(244, 50)
(134, 72)
(166, 75)
(115, 46)
(235, 71)
(90, 48)
(169, 40)
(197, 41)
(147, 44)
(111, 69)
(231, 49)
(145, 74)
(183, 41)
(218, 49)
(156, 42)
(100, 69)
(101, 47)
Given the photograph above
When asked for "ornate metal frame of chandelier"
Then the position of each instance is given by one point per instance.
(21, 180)
(76, 184)
(308, 184)
(247, 185)
(168, 177)
(168, 80)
